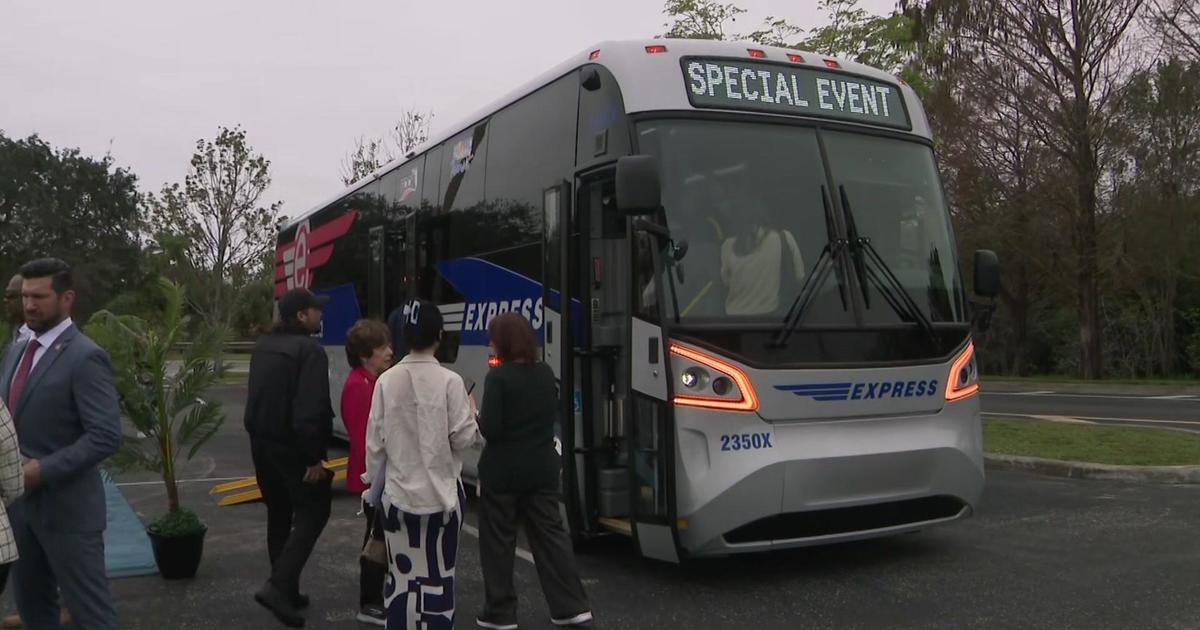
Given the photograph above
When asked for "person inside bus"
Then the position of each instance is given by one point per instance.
(756, 264)
(369, 353)
(421, 423)
(519, 479)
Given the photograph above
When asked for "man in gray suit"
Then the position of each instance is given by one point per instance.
(59, 387)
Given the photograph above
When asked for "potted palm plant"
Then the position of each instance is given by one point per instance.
(163, 397)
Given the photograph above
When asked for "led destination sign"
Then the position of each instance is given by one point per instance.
(797, 91)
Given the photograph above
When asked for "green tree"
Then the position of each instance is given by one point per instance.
(1158, 190)
(215, 230)
(699, 19)
(86, 211)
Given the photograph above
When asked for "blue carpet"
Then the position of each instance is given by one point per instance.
(127, 550)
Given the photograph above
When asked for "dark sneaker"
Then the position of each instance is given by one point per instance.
(280, 605)
(491, 625)
(582, 619)
(300, 600)
(374, 615)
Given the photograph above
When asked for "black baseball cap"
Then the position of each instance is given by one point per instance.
(299, 299)
(422, 324)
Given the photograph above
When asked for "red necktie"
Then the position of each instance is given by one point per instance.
(18, 382)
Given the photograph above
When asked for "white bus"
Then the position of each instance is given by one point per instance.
(740, 263)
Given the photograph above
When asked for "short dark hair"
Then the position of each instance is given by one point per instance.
(363, 338)
(513, 338)
(422, 324)
(58, 271)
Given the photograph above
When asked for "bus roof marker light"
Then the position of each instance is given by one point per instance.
(963, 380)
(656, 49)
(594, 56)
(794, 58)
(756, 53)
(832, 63)
(748, 400)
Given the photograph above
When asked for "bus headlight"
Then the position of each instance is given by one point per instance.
(694, 378)
(963, 380)
(711, 383)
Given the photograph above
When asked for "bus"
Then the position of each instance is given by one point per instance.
(740, 265)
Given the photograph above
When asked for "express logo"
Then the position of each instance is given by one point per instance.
(490, 290)
(309, 249)
(830, 392)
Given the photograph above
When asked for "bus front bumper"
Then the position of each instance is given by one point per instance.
(822, 482)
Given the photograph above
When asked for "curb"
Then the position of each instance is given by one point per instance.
(1086, 470)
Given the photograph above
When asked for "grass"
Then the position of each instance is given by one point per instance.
(1127, 446)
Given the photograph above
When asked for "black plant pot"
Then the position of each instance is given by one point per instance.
(178, 557)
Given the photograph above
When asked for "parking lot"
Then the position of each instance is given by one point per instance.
(1041, 553)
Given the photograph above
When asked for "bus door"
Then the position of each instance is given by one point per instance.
(651, 432)
(559, 294)
(586, 298)
(388, 268)
(377, 276)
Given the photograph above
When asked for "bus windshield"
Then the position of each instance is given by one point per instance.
(751, 201)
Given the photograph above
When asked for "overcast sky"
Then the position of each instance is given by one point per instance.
(146, 79)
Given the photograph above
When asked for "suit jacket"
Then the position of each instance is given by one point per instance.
(67, 418)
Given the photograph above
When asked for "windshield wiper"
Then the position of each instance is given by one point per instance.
(826, 262)
(881, 276)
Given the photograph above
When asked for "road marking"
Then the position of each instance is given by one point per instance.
(1108, 396)
(159, 482)
(521, 553)
(1093, 418)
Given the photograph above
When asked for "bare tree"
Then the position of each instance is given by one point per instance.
(1178, 23)
(368, 155)
(411, 131)
(365, 158)
(1075, 52)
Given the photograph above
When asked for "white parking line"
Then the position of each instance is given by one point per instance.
(1181, 398)
(521, 553)
(1095, 418)
(201, 480)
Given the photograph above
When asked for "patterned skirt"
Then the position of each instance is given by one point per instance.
(423, 549)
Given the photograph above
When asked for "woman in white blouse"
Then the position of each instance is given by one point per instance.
(421, 421)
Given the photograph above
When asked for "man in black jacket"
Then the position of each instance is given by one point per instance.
(289, 419)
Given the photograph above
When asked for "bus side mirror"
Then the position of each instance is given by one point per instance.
(987, 273)
(639, 192)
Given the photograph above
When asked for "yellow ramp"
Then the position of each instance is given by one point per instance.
(249, 491)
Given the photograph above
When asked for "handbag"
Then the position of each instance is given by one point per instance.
(375, 551)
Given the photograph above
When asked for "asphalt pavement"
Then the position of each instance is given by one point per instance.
(1040, 553)
(1180, 411)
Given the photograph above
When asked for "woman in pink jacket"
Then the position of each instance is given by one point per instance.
(369, 352)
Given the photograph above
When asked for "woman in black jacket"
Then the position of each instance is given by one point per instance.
(519, 478)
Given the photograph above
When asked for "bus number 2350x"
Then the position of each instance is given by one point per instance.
(746, 441)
